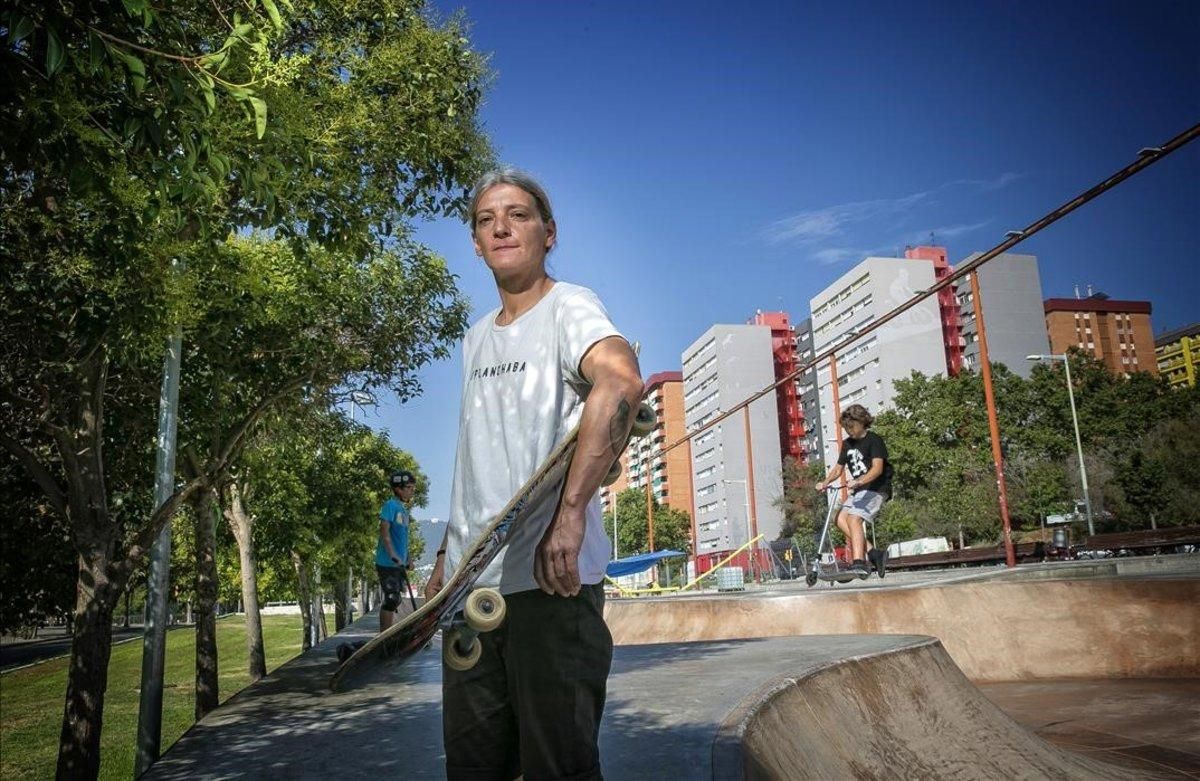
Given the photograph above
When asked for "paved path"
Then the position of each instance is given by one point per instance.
(767, 708)
(20, 653)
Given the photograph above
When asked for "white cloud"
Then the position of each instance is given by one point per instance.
(807, 227)
(831, 232)
(990, 185)
(944, 232)
(834, 255)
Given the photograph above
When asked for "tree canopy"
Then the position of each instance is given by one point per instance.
(246, 175)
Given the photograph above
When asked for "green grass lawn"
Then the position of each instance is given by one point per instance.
(31, 699)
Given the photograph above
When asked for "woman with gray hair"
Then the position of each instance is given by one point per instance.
(547, 358)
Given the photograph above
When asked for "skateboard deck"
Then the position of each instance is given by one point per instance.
(416, 630)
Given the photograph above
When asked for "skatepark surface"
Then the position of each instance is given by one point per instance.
(865, 693)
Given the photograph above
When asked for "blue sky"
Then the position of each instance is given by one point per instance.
(705, 162)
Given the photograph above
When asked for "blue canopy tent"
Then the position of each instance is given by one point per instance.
(639, 563)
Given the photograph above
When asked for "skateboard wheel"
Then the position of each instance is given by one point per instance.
(457, 659)
(614, 472)
(484, 609)
(645, 421)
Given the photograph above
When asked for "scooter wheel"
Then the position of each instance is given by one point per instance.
(810, 579)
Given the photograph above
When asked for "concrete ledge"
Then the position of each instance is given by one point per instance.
(995, 629)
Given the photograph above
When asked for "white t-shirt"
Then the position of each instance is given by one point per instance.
(522, 394)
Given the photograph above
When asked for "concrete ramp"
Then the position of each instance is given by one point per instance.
(898, 713)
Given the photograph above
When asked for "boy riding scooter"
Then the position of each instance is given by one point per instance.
(864, 457)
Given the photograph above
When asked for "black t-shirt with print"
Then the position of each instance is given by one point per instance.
(857, 455)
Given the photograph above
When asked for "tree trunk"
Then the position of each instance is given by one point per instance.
(242, 525)
(364, 593)
(304, 597)
(341, 604)
(128, 596)
(87, 676)
(319, 607)
(207, 694)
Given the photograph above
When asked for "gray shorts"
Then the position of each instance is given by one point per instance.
(865, 504)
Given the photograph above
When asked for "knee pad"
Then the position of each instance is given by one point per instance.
(390, 604)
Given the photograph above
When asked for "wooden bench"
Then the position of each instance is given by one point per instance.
(979, 555)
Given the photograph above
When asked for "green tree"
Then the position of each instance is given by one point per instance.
(135, 141)
(803, 506)
(1037, 487)
(672, 527)
(316, 484)
(318, 321)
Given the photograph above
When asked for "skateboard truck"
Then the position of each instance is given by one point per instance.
(482, 612)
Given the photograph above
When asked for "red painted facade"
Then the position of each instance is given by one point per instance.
(947, 305)
(783, 353)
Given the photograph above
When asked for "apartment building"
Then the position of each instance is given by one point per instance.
(868, 368)
(733, 495)
(1011, 297)
(1178, 355)
(806, 389)
(1119, 333)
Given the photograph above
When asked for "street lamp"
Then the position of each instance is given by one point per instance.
(613, 499)
(749, 533)
(1087, 499)
(358, 399)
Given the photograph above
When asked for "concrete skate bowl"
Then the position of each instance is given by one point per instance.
(914, 712)
(995, 631)
(901, 714)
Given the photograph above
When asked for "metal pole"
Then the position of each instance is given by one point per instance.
(837, 421)
(989, 395)
(154, 637)
(751, 516)
(749, 530)
(1087, 498)
(692, 507)
(614, 504)
(649, 515)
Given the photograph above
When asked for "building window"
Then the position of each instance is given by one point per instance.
(703, 349)
(706, 400)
